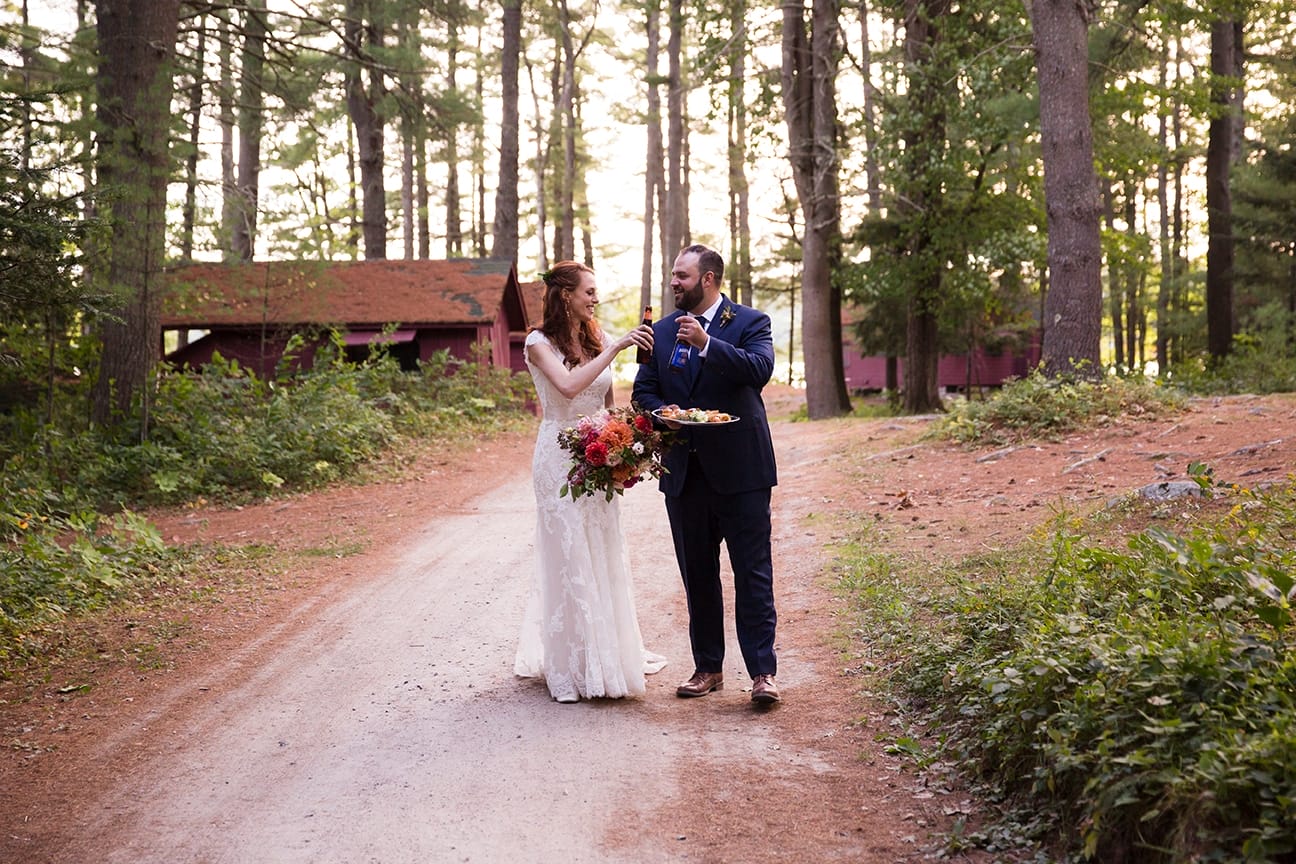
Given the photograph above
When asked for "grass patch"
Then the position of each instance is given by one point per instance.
(336, 550)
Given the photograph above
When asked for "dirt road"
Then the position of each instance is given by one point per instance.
(362, 707)
(374, 717)
(385, 725)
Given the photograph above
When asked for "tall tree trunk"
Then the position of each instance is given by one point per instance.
(231, 205)
(673, 216)
(1073, 307)
(1163, 217)
(561, 240)
(26, 57)
(407, 186)
(565, 239)
(1224, 60)
(653, 177)
(411, 118)
(1115, 276)
(479, 151)
(810, 105)
(190, 209)
(1177, 353)
(739, 195)
(923, 146)
(871, 169)
(504, 232)
(355, 219)
(541, 128)
(454, 208)
(422, 194)
(1133, 278)
(580, 186)
(137, 41)
(250, 123)
(362, 105)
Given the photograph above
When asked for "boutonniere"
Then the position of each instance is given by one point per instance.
(726, 316)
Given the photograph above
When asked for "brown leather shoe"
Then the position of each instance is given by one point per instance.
(701, 684)
(764, 690)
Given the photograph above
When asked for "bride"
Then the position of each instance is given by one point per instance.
(580, 631)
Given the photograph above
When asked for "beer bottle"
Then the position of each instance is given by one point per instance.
(644, 355)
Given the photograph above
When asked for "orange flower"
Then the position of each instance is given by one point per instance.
(617, 435)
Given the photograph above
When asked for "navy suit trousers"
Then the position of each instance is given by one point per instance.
(700, 520)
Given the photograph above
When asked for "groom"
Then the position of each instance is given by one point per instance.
(716, 354)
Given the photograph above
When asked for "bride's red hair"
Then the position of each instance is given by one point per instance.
(556, 324)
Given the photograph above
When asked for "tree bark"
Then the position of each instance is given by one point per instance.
(673, 216)
(422, 194)
(230, 205)
(137, 41)
(871, 169)
(479, 152)
(653, 176)
(1073, 307)
(1163, 213)
(190, 209)
(504, 232)
(362, 105)
(739, 195)
(454, 214)
(924, 143)
(565, 228)
(250, 123)
(541, 166)
(1134, 276)
(810, 106)
(411, 119)
(1224, 60)
(1115, 281)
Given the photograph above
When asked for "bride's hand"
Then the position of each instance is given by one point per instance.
(641, 337)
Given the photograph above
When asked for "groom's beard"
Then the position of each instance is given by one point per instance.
(690, 297)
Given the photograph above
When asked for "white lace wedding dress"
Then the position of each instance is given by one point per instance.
(580, 631)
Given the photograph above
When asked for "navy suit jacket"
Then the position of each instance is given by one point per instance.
(736, 457)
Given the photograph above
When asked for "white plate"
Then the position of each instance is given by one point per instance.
(733, 418)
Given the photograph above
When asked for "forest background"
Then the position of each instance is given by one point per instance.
(1114, 181)
(913, 139)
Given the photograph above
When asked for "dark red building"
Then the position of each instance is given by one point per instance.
(249, 311)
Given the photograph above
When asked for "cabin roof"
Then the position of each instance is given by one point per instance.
(364, 294)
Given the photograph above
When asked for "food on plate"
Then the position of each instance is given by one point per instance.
(693, 415)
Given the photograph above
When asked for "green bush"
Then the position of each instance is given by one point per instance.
(1262, 361)
(53, 563)
(1134, 704)
(1040, 407)
(223, 433)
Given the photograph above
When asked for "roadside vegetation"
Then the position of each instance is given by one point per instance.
(1115, 695)
(71, 535)
(1038, 407)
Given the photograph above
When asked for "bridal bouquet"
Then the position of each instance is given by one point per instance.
(611, 451)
